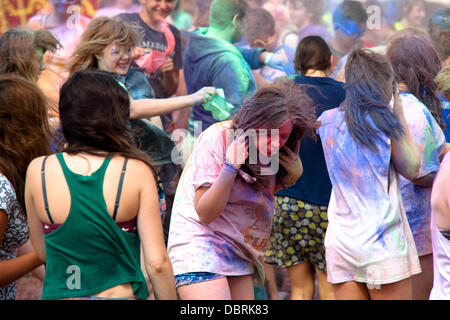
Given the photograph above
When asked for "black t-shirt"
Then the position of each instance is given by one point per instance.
(314, 186)
(155, 40)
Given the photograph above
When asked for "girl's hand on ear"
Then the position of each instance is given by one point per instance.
(292, 164)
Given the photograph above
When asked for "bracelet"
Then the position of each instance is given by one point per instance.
(230, 168)
(268, 57)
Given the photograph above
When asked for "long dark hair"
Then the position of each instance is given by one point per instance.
(416, 63)
(94, 111)
(24, 129)
(272, 107)
(368, 77)
(312, 53)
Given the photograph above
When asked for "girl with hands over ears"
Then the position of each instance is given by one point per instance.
(223, 208)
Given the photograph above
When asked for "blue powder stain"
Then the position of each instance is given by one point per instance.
(380, 232)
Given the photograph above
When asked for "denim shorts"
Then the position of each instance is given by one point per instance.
(195, 277)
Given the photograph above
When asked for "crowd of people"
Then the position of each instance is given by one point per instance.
(219, 149)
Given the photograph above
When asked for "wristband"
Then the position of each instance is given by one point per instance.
(230, 168)
(268, 57)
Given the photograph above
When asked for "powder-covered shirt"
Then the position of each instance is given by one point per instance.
(16, 232)
(234, 243)
(368, 237)
(441, 256)
(429, 139)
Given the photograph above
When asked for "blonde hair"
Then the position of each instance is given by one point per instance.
(443, 82)
(99, 34)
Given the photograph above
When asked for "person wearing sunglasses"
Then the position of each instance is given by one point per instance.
(349, 24)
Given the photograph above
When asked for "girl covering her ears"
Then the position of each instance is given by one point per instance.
(222, 214)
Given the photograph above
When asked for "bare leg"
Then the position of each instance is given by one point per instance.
(400, 290)
(301, 277)
(217, 289)
(241, 287)
(422, 283)
(351, 290)
(271, 284)
(325, 288)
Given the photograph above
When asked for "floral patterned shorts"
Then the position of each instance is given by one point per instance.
(298, 234)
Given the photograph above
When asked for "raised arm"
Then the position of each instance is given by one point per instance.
(210, 201)
(405, 155)
(145, 108)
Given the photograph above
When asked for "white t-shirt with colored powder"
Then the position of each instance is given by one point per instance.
(234, 243)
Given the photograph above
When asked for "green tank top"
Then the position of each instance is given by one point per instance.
(89, 253)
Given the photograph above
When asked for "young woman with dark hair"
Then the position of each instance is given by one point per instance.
(300, 218)
(414, 13)
(416, 64)
(96, 199)
(24, 135)
(370, 250)
(224, 202)
(107, 45)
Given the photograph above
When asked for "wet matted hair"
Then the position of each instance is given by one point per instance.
(272, 107)
(416, 63)
(368, 76)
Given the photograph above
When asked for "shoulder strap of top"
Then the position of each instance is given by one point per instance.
(119, 191)
(44, 191)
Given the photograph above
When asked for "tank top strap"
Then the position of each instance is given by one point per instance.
(44, 190)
